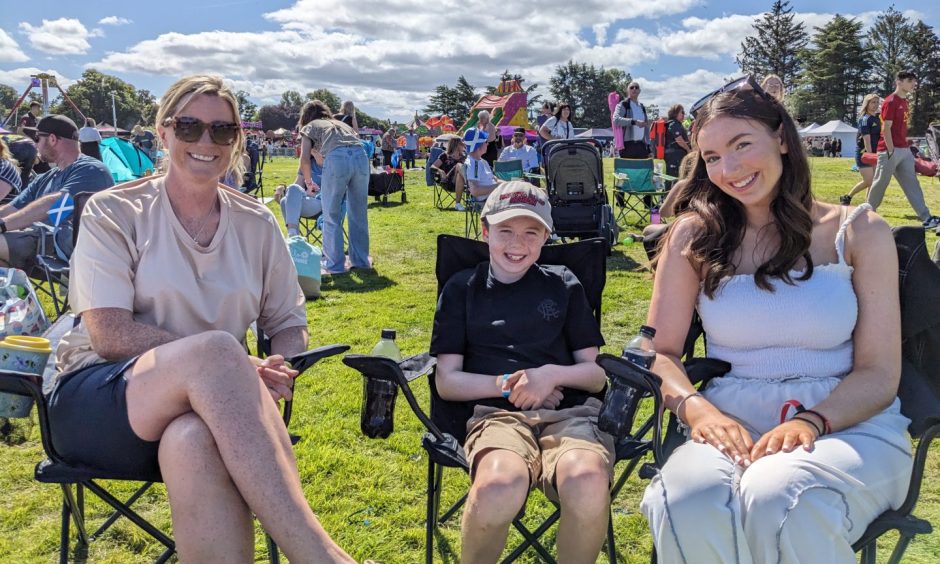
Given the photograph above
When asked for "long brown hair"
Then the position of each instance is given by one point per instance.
(721, 218)
(314, 109)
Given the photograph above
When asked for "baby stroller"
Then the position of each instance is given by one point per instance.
(933, 142)
(575, 177)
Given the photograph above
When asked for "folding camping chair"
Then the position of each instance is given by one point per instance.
(635, 190)
(447, 421)
(444, 198)
(75, 479)
(919, 389)
(52, 271)
(509, 170)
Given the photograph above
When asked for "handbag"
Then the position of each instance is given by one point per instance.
(306, 259)
(21, 312)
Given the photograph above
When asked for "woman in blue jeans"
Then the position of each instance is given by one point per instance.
(345, 174)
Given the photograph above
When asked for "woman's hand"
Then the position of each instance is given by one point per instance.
(277, 375)
(711, 426)
(786, 437)
(312, 187)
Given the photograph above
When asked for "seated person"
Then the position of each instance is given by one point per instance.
(520, 149)
(155, 377)
(480, 179)
(9, 172)
(448, 171)
(525, 357)
(57, 143)
(297, 201)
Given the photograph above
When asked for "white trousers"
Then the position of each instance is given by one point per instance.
(787, 507)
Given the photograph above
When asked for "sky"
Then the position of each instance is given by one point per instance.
(387, 56)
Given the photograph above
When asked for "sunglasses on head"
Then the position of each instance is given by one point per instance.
(743, 83)
(189, 130)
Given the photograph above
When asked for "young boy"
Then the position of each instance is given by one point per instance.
(519, 340)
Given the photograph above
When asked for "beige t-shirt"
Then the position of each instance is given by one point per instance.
(134, 254)
(328, 134)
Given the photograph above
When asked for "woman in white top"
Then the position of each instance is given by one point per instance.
(801, 297)
(169, 273)
(558, 126)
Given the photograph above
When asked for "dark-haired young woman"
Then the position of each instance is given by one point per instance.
(802, 444)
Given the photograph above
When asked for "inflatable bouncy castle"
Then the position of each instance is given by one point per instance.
(507, 106)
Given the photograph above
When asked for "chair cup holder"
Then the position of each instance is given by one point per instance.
(628, 384)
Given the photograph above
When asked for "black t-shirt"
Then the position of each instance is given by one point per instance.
(675, 130)
(501, 328)
(28, 120)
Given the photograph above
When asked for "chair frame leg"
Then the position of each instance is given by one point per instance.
(433, 492)
(274, 557)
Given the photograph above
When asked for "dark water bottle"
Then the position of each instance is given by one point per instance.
(620, 403)
(378, 396)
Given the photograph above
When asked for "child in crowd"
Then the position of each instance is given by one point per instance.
(525, 357)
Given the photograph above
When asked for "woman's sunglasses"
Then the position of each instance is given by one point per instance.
(743, 83)
(189, 130)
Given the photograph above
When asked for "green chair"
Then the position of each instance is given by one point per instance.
(635, 190)
(509, 170)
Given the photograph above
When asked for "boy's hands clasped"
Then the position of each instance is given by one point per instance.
(527, 389)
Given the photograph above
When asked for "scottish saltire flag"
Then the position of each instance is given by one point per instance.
(61, 210)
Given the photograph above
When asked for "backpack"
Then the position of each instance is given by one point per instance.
(658, 138)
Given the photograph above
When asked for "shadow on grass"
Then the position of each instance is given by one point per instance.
(619, 260)
(358, 280)
(390, 204)
(447, 553)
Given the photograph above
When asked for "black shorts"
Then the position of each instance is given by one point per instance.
(89, 424)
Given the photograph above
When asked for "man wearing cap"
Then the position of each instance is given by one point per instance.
(522, 151)
(518, 339)
(56, 139)
(479, 175)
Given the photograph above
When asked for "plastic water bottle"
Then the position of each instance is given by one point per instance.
(654, 216)
(378, 396)
(622, 399)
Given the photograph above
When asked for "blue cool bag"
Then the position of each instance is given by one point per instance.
(306, 259)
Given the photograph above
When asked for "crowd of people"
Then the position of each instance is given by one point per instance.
(798, 295)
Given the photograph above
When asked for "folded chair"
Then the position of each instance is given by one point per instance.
(74, 480)
(446, 424)
(253, 183)
(509, 170)
(52, 271)
(635, 190)
(919, 389)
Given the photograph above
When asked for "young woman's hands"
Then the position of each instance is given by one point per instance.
(709, 425)
(785, 438)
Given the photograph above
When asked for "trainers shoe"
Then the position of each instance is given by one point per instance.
(845, 200)
(460, 207)
(932, 222)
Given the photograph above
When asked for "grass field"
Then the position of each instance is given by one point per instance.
(370, 493)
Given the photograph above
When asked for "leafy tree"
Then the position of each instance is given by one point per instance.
(8, 96)
(326, 96)
(454, 102)
(92, 94)
(585, 87)
(776, 47)
(292, 100)
(246, 107)
(277, 116)
(889, 48)
(837, 72)
(924, 49)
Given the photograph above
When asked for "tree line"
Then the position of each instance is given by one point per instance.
(828, 72)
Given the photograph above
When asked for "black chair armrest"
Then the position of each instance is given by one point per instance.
(383, 368)
(21, 384)
(301, 362)
(702, 370)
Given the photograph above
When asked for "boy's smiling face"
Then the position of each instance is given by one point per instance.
(515, 245)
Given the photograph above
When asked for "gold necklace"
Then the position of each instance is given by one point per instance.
(204, 222)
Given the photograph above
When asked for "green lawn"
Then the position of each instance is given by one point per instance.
(370, 493)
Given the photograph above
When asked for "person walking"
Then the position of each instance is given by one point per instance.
(894, 155)
(869, 133)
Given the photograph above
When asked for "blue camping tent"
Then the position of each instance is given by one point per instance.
(124, 159)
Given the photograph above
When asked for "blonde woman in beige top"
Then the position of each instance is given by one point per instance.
(167, 276)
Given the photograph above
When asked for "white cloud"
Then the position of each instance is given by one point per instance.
(64, 36)
(114, 20)
(685, 89)
(10, 51)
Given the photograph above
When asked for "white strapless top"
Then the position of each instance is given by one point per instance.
(799, 330)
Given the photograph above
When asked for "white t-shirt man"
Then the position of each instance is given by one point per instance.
(525, 153)
(639, 115)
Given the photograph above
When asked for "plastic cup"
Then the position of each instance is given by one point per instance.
(22, 354)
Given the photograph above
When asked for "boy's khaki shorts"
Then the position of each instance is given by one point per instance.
(540, 437)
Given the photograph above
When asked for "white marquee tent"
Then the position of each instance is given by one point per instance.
(837, 130)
